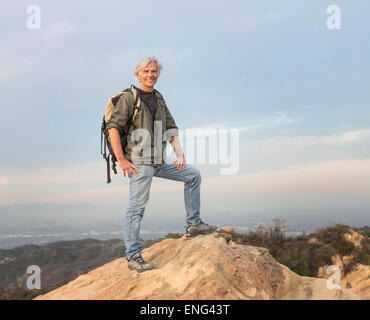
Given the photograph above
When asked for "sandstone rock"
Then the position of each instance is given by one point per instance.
(314, 241)
(354, 237)
(205, 267)
(358, 281)
(227, 229)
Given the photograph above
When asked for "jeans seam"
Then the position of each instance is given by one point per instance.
(134, 210)
(191, 203)
(129, 233)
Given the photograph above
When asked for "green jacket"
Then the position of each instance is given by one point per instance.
(146, 138)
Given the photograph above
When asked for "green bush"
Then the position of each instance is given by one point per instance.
(298, 254)
(345, 248)
(296, 263)
(173, 235)
(327, 260)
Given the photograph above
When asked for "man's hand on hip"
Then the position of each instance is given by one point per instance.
(128, 167)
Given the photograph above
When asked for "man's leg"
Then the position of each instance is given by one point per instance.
(192, 179)
(139, 187)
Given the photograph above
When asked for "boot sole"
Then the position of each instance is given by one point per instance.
(193, 235)
(140, 270)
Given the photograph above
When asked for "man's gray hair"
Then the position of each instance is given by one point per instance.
(144, 62)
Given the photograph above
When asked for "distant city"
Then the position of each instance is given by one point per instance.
(47, 224)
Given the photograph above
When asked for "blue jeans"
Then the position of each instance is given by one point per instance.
(139, 187)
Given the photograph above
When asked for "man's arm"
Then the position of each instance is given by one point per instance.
(173, 137)
(180, 157)
(175, 142)
(124, 164)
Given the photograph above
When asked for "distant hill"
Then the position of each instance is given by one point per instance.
(364, 230)
(306, 253)
(60, 262)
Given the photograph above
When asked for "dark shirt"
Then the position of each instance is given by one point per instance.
(148, 99)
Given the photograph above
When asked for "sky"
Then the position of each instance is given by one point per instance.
(295, 91)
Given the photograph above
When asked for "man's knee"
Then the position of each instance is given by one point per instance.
(194, 174)
(135, 211)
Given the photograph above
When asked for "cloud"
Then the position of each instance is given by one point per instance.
(256, 19)
(81, 173)
(285, 151)
(339, 138)
(302, 187)
(26, 52)
(310, 186)
(83, 182)
(269, 121)
(275, 119)
(107, 195)
(58, 33)
(3, 180)
(13, 67)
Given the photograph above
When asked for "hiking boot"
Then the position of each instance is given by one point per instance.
(138, 263)
(200, 228)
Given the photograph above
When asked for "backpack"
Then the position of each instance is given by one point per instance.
(104, 134)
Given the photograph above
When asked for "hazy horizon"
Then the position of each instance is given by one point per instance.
(46, 223)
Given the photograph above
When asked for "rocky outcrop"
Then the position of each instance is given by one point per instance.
(354, 237)
(205, 267)
(358, 280)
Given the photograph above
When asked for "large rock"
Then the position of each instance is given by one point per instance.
(205, 267)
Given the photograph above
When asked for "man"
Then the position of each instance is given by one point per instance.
(143, 158)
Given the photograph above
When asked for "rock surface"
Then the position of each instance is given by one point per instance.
(205, 267)
(354, 237)
(358, 280)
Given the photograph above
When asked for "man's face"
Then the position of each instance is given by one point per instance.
(148, 76)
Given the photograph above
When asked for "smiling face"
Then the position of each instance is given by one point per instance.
(148, 76)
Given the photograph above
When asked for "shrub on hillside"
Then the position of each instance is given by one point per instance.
(303, 257)
(173, 235)
(345, 248)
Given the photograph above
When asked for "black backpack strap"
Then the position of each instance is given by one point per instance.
(101, 138)
(108, 170)
(103, 151)
(137, 95)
